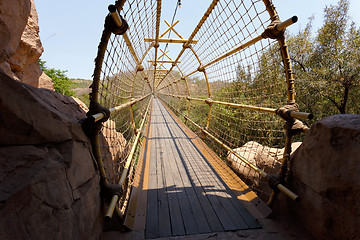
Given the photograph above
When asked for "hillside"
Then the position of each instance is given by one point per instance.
(81, 86)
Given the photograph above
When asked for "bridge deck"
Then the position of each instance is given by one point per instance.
(187, 189)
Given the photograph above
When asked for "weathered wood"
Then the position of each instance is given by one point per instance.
(152, 217)
(163, 204)
(170, 40)
(177, 225)
(186, 195)
(177, 182)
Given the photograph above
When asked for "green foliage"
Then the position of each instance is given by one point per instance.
(327, 67)
(327, 75)
(62, 84)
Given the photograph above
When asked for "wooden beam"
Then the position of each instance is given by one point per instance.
(159, 70)
(170, 40)
(164, 61)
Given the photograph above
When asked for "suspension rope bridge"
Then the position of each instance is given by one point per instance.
(166, 132)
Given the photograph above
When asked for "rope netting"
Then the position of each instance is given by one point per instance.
(231, 83)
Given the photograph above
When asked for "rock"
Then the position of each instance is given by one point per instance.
(325, 174)
(45, 81)
(49, 180)
(81, 104)
(266, 158)
(4, 40)
(115, 151)
(14, 16)
(20, 46)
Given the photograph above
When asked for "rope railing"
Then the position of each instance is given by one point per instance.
(292, 113)
(99, 116)
(280, 26)
(203, 19)
(120, 99)
(128, 162)
(228, 86)
(263, 174)
(243, 88)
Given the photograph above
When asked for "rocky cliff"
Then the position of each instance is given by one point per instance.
(49, 181)
(20, 45)
(325, 172)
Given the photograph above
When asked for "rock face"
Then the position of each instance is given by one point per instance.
(326, 174)
(115, 151)
(114, 147)
(266, 158)
(20, 46)
(49, 181)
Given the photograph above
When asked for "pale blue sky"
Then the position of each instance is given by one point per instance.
(70, 30)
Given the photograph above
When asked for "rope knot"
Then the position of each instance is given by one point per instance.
(272, 32)
(112, 27)
(140, 68)
(108, 190)
(209, 101)
(274, 180)
(284, 112)
(201, 68)
(292, 126)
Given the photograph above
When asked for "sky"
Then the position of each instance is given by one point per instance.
(70, 30)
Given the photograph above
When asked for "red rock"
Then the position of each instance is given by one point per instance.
(116, 149)
(325, 174)
(20, 46)
(49, 181)
(266, 158)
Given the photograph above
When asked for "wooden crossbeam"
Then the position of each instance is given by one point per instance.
(164, 61)
(161, 66)
(160, 70)
(170, 40)
(165, 54)
(172, 27)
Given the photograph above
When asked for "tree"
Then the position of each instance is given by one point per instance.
(327, 66)
(336, 59)
(62, 84)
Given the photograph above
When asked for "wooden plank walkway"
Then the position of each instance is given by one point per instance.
(185, 195)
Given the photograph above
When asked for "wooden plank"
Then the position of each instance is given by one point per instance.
(176, 181)
(163, 61)
(248, 198)
(210, 205)
(163, 205)
(152, 215)
(177, 225)
(224, 195)
(189, 195)
(208, 187)
(232, 206)
(170, 40)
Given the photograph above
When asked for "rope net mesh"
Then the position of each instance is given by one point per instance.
(247, 77)
(252, 76)
(120, 82)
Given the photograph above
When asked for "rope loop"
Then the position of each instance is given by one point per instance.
(272, 32)
(108, 190)
(274, 180)
(112, 27)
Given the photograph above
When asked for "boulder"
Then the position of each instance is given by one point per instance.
(115, 149)
(266, 158)
(326, 175)
(20, 46)
(49, 180)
